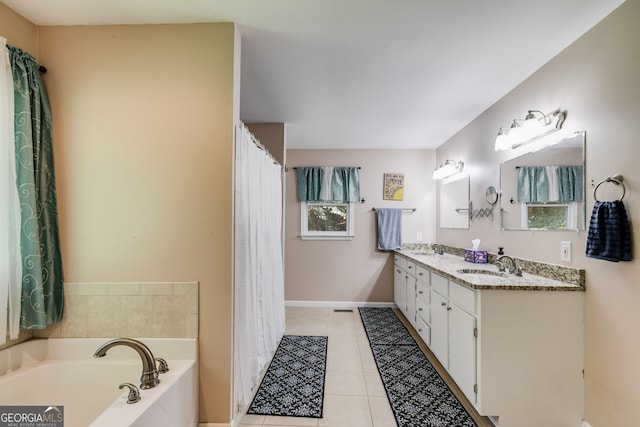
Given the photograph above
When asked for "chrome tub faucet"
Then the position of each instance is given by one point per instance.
(149, 378)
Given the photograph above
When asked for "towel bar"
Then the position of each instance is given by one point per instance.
(404, 209)
(617, 180)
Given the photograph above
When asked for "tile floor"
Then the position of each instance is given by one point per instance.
(354, 395)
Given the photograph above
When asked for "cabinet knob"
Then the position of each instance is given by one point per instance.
(420, 309)
(420, 292)
(448, 308)
(443, 304)
(420, 274)
(419, 330)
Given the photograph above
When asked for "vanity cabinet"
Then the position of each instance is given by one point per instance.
(423, 304)
(515, 353)
(453, 331)
(404, 288)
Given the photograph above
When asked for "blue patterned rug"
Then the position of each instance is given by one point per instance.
(418, 395)
(294, 382)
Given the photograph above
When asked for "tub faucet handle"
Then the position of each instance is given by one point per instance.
(134, 393)
(163, 368)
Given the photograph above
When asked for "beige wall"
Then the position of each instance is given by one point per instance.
(354, 271)
(18, 31)
(596, 81)
(273, 137)
(143, 128)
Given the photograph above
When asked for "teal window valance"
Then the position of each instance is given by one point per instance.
(327, 183)
(540, 184)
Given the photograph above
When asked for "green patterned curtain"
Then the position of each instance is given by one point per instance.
(42, 292)
(328, 183)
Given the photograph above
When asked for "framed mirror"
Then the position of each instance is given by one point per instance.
(545, 190)
(454, 202)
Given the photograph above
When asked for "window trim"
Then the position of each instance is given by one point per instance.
(305, 234)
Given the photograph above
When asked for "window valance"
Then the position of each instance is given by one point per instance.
(328, 183)
(538, 184)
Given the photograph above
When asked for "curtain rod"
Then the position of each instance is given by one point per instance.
(296, 167)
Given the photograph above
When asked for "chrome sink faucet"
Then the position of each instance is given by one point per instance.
(513, 267)
(149, 378)
(437, 248)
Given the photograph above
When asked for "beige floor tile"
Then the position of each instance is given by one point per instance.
(374, 384)
(252, 420)
(289, 421)
(381, 412)
(345, 383)
(346, 411)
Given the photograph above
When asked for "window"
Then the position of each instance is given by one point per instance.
(550, 216)
(326, 220)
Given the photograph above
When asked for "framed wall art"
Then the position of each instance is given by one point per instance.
(393, 186)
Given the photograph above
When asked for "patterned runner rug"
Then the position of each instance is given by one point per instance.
(294, 382)
(419, 397)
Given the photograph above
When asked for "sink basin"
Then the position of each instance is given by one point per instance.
(479, 271)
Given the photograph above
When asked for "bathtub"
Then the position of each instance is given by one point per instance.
(63, 372)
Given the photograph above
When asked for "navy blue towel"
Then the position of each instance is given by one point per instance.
(609, 236)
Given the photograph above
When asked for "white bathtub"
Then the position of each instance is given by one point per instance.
(63, 372)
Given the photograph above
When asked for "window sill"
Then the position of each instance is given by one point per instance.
(326, 237)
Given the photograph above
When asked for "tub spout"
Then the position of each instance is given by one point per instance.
(149, 378)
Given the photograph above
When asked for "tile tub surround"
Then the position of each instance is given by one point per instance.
(536, 277)
(137, 309)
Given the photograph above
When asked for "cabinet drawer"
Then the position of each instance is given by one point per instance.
(424, 331)
(423, 311)
(462, 296)
(440, 284)
(411, 268)
(423, 275)
(400, 262)
(422, 292)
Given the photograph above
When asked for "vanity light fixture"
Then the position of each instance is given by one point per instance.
(447, 168)
(535, 125)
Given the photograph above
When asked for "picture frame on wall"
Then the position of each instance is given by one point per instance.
(393, 186)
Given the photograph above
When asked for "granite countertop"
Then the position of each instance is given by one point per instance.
(448, 265)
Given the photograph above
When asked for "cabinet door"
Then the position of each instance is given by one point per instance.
(400, 288)
(411, 300)
(462, 350)
(439, 328)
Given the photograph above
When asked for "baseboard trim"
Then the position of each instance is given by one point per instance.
(337, 304)
(214, 425)
(586, 424)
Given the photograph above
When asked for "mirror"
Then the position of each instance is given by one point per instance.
(454, 202)
(491, 195)
(545, 189)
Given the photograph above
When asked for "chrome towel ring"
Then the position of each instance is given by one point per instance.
(617, 180)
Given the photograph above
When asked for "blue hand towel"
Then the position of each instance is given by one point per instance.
(609, 236)
(389, 229)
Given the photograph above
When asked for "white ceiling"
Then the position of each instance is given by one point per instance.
(364, 73)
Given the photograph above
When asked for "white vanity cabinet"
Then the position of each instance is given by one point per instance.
(404, 287)
(515, 353)
(423, 306)
(453, 331)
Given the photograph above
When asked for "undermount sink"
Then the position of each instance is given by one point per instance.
(479, 271)
(422, 253)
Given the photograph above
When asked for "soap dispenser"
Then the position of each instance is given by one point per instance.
(500, 250)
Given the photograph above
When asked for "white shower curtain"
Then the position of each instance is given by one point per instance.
(259, 277)
(10, 258)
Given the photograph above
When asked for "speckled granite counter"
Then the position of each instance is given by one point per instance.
(448, 265)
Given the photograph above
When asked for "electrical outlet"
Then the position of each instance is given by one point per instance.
(565, 251)
(419, 236)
